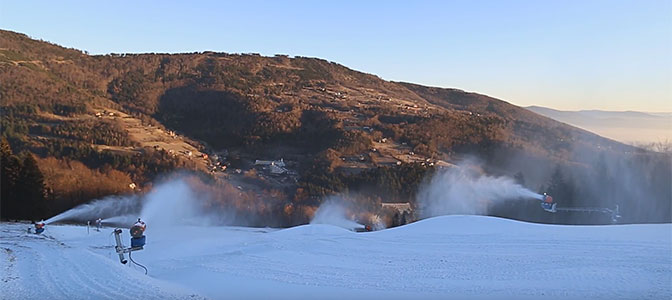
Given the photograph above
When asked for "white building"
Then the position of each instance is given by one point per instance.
(279, 163)
(277, 170)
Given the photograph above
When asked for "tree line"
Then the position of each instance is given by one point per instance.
(22, 191)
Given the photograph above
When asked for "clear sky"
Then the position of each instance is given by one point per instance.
(612, 55)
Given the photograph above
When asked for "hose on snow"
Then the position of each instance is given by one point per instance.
(131, 258)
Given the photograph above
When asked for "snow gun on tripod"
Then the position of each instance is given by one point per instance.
(137, 240)
(547, 203)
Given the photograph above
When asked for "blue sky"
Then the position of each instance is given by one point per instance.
(612, 55)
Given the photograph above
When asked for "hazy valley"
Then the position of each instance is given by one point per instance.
(629, 127)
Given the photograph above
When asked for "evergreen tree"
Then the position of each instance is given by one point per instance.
(605, 183)
(519, 178)
(10, 167)
(556, 183)
(30, 190)
(561, 189)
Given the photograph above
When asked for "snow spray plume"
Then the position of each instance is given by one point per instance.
(333, 212)
(461, 191)
(176, 202)
(102, 208)
(169, 203)
(376, 222)
(636, 180)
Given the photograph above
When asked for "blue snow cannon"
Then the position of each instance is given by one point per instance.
(39, 227)
(137, 234)
(138, 242)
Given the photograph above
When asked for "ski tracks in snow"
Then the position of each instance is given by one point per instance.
(38, 266)
(463, 257)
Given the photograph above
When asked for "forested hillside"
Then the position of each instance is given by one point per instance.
(79, 127)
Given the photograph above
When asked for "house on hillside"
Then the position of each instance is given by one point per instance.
(403, 213)
(277, 170)
(404, 207)
(444, 164)
(274, 167)
(279, 163)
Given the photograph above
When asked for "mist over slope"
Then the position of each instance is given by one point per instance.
(624, 126)
(276, 136)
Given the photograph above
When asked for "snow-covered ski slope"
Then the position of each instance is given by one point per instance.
(451, 257)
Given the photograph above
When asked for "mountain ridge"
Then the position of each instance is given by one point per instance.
(338, 129)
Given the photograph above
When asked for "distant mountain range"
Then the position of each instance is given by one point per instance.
(624, 126)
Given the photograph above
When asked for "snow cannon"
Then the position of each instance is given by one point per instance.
(366, 228)
(547, 203)
(119, 248)
(137, 240)
(137, 234)
(39, 227)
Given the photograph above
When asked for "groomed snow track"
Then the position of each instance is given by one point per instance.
(453, 257)
(41, 267)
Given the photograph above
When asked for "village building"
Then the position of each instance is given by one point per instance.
(404, 207)
(279, 163)
(277, 170)
(274, 167)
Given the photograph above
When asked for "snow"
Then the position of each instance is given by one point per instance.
(463, 257)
